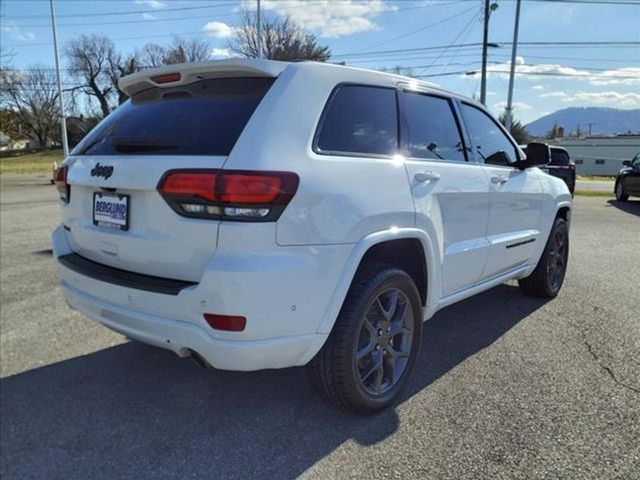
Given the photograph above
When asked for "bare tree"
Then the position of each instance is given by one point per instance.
(120, 66)
(32, 96)
(185, 51)
(152, 55)
(180, 50)
(90, 59)
(282, 39)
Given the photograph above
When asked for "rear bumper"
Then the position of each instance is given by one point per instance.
(181, 337)
(283, 293)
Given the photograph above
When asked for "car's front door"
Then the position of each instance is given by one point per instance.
(516, 195)
(450, 194)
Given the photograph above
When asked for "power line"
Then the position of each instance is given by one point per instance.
(468, 27)
(418, 30)
(111, 14)
(120, 22)
(560, 43)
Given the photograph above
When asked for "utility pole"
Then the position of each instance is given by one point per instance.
(488, 8)
(485, 40)
(512, 72)
(259, 31)
(63, 119)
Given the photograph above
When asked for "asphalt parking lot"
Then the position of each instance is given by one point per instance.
(506, 387)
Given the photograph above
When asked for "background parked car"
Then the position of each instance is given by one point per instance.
(628, 180)
(561, 166)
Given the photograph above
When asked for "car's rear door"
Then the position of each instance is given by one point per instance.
(115, 215)
(450, 194)
(516, 195)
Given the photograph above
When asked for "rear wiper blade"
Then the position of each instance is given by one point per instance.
(127, 145)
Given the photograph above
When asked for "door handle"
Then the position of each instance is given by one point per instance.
(499, 180)
(423, 177)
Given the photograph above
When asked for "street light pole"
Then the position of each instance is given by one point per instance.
(514, 49)
(259, 31)
(63, 119)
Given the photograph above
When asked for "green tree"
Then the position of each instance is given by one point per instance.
(551, 134)
(518, 131)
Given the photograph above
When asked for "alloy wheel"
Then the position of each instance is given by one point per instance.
(384, 342)
(557, 259)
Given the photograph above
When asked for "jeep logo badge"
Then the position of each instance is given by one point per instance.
(102, 171)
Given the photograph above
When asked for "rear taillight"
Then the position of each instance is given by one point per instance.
(61, 183)
(572, 166)
(227, 194)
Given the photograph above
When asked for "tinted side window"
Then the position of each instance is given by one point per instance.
(559, 157)
(360, 120)
(202, 118)
(487, 139)
(429, 129)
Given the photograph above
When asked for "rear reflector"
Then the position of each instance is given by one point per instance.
(226, 322)
(60, 180)
(224, 194)
(166, 78)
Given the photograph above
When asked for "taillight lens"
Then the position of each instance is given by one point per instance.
(227, 194)
(64, 190)
(226, 322)
(167, 78)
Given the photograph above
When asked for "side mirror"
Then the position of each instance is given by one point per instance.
(537, 154)
(626, 163)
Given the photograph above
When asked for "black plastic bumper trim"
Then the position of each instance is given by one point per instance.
(123, 278)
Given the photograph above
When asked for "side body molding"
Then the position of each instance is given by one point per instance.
(431, 256)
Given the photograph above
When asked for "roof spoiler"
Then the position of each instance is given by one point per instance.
(184, 73)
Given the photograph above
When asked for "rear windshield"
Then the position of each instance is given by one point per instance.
(559, 157)
(202, 118)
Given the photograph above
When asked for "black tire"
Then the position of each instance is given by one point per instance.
(336, 372)
(547, 278)
(619, 191)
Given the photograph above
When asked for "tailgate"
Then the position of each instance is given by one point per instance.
(158, 241)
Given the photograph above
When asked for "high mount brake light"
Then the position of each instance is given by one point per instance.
(167, 78)
(229, 194)
(61, 183)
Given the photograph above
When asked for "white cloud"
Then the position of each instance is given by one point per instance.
(329, 18)
(157, 4)
(218, 29)
(558, 94)
(612, 77)
(516, 105)
(610, 98)
(148, 16)
(537, 87)
(17, 33)
(623, 76)
(221, 53)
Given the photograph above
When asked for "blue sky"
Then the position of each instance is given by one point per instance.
(378, 33)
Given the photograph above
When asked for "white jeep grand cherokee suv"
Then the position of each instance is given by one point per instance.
(258, 214)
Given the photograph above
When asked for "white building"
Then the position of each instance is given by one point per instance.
(600, 155)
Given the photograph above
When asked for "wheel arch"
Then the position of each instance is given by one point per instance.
(394, 246)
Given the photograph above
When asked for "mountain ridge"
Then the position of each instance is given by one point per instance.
(603, 120)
